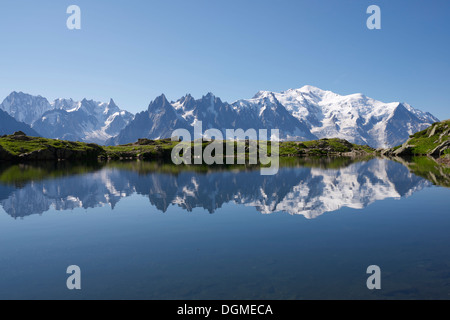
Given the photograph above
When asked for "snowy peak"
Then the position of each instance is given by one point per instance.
(184, 104)
(355, 117)
(160, 104)
(262, 95)
(86, 120)
(25, 107)
(313, 91)
(65, 104)
(307, 113)
(206, 109)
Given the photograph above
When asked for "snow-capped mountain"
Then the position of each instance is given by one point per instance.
(209, 109)
(25, 107)
(187, 111)
(85, 120)
(271, 114)
(302, 114)
(356, 118)
(157, 122)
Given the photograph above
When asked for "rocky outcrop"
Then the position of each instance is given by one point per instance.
(440, 149)
(433, 142)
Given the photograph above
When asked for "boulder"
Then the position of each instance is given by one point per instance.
(439, 150)
(405, 150)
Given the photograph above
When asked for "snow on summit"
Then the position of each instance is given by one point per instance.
(307, 113)
(355, 117)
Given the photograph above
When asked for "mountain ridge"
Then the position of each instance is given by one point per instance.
(307, 113)
(303, 114)
(9, 125)
(66, 119)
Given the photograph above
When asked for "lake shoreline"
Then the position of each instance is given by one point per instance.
(20, 148)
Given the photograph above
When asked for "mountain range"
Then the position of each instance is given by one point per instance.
(66, 119)
(307, 113)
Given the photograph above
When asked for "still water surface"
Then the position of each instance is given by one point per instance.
(151, 231)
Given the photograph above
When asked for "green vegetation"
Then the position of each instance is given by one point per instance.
(325, 153)
(434, 141)
(424, 145)
(322, 147)
(144, 149)
(19, 147)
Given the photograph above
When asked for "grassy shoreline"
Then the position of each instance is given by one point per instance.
(22, 148)
(433, 143)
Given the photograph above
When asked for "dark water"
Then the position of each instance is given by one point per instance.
(149, 231)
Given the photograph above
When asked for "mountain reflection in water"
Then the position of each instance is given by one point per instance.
(308, 188)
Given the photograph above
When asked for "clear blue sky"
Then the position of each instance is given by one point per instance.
(135, 50)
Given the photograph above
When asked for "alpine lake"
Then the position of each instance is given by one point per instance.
(153, 230)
